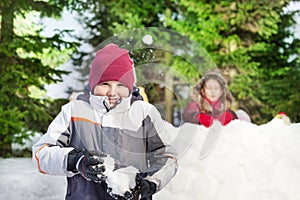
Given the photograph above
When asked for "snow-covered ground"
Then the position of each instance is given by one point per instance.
(241, 161)
(20, 181)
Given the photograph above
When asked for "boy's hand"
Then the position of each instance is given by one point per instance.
(88, 164)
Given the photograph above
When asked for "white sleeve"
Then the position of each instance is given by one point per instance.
(46, 155)
(167, 132)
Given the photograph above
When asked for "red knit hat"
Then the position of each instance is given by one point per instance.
(112, 64)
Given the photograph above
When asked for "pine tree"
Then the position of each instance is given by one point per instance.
(22, 70)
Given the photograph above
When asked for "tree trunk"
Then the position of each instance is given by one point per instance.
(5, 150)
(6, 38)
(7, 23)
(169, 95)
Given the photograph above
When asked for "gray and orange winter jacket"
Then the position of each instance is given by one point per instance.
(133, 134)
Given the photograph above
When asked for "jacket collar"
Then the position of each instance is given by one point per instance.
(101, 104)
(215, 104)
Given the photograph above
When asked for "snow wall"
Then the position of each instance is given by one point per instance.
(241, 161)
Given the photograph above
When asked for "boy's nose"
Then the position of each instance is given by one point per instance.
(112, 91)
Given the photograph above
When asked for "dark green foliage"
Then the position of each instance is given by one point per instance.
(273, 83)
(20, 112)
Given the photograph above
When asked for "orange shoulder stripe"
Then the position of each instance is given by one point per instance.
(84, 120)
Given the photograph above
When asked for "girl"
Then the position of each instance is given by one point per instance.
(212, 101)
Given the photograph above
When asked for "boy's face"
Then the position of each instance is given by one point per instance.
(114, 90)
(213, 90)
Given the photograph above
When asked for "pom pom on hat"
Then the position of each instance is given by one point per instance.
(112, 64)
(284, 117)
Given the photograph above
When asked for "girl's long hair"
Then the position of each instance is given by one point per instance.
(198, 93)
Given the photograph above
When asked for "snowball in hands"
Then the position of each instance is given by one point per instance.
(120, 180)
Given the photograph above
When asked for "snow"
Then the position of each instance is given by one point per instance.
(120, 180)
(20, 181)
(247, 162)
(242, 161)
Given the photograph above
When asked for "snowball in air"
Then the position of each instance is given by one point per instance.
(147, 39)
